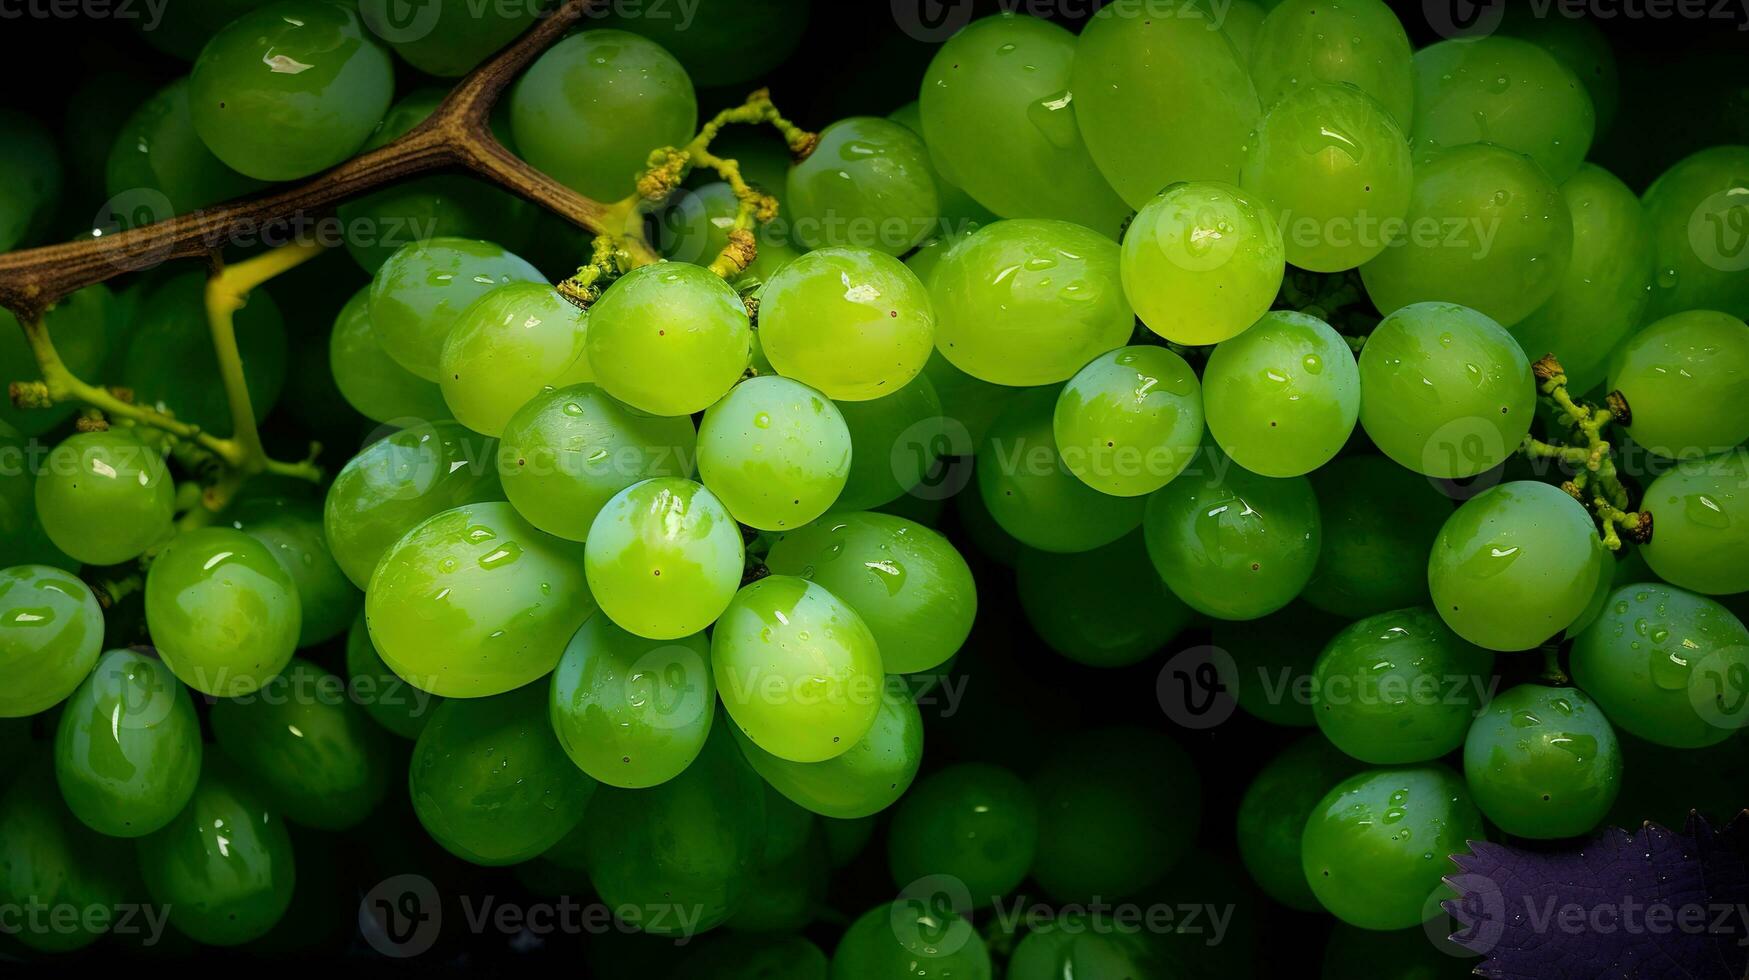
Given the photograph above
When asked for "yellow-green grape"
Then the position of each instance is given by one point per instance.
(1130, 420)
(629, 711)
(127, 748)
(859, 782)
(906, 581)
(1378, 519)
(368, 378)
(1486, 228)
(1543, 762)
(1103, 608)
(157, 149)
(854, 323)
(450, 37)
(475, 601)
(512, 344)
(1161, 98)
(1697, 212)
(1357, 42)
(1202, 261)
(1700, 528)
(1033, 496)
(417, 296)
(390, 701)
(664, 558)
(959, 212)
(1682, 378)
(868, 184)
(82, 327)
(911, 939)
(105, 497)
(1505, 91)
(1445, 390)
(1335, 167)
(974, 822)
(776, 452)
(51, 630)
(1282, 397)
(292, 530)
(222, 610)
(669, 339)
(895, 444)
(49, 861)
(1272, 816)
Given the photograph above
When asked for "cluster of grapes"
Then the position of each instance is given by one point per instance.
(643, 563)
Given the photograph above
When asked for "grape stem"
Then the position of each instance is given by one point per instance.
(1595, 481)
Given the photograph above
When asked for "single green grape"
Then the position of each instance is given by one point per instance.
(1335, 167)
(476, 601)
(290, 88)
(1376, 846)
(1579, 44)
(157, 150)
(51, 862)
(169, 362)
(1354, 42)
(127, 747)
(895, 444)
(490, 781)
(1273, 813)
(1130, 420)
(669, 339)
(569, 450)
(1666, 665)
(959, 211)
(974, 822)
(1677, 376)
(105, 497)
(1399, 687)
(859, 782)
(867, 184)
(222, 611)
(451, 37)
(1202, 261)
(911, 938)
(84, 327)
(1515, 565)
(31, 172)
(1542, 762)
(695, 228)
(1030, 492)
(512, 344)
(1505, 91)
(1379, 523)
(292, 530)
(757, 956)
(592, 108)
(1445, 390)
(999, 90)
(51, 630)
(1700, 514)
(1161, 99)
(664, 558)
(632, 712)
(1103, 608)
(223, 868)
(390, 701)
(371, 381)
(1696, 214)
(1230, 543)
(1486, 228)
(906, 582)
(852, 322)
(1273, 658)
(420, 293)
(775, 451)
(1282, 397)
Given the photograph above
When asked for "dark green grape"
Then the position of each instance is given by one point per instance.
(1676, 377)
(170, 364)
(158, 151)
(910, 938)
(893, 445)
(1505, 91)
(1697, 218)
(450, 37)
(786, 891)
(757, 957)
(1033, 495)
(867, 184)
(1273, 657)
(183, 28)
(721, 42)
(1700, 513)
(1077, 944)
(1273, 813)
(369, 379)
(222, 610)
(105, 497)
(418, 294)
(1103, 608)
(859, 782)
(30, 179)
(1543, 762)
(975, 823)
(292, 530)
(25, 540)
(846, 839)
(51, 864)
(1579, 44)
(127, 747)
(1354, 42)
(51, 629)
(83, 327)
(970, 402)
(1130, 420)
(392, 702)
(1379, 523)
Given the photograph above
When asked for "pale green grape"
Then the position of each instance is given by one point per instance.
(1033, 496)
(908, 939)
(32, 179)
(105, 497)
(390, 701)
(669, 339)
(127, 748)
(368, 378)
(51, 629)
(1543, 762)
(1358, 42)
(959, 212)
(419, 294)
(664, 558)
(512, 344)
(158, 150)
(859, 782)
(1505, 91)
(292, 531)
(1681, 378)
(776, 452)
(1130, 420)
(868, 184)
(1282, 397)
(1379, 523)
(1202, 261)
(1103, 608)
(49, 861)
(83, 327)
(854, 323)
(1700, 529)
(222, 610)
(894, 444)
(1697, 214)
(1272, 815)
(450, 38)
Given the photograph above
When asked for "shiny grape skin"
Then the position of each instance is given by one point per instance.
(1543, 762)
(1273, 813)
(904, 939)
(51, 630)
(977, 823)
(50, 860)
(860, 782)
(1700, 512)
(222, 610)
(128, 747)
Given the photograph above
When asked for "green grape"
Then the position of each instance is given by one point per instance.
(664, 525)
(1375, 847)
(390, 701)
(1242, 25)
(859, 782)
(30, 173)
(1404, 954)
(512, 344)
(1677, 376)
(82, 327)
(1335, 167)
(1542, 762)
(1515, 565)
(1701, 525)
(757, 957)
(905, 581)
(998, 91)
(399, 481)
(1230, 543)
(223, 869)
(569, 450)
(1697, 217)
(867, 184)
(127, 747)
(1486, 228)
(157, 150)
(1602, 298)
(959, 211)
(592, 108)
(419, 294)
(1578, 44)
(1666, 665)
(688, 845)
(222, 610)
(636, 361)
(1076, 943)
(1103, 608)
(798, 669)
(292, 530)
(1282, 397)
(1379, 523)
(1273, 658)
(51, 863)
(911, 938)
(1029, 301)
(1355, 42)
(22, 534)
(289, 89)
(169, 363)
(490, 781)
(696, 227)
(1446, 391)
(475, 601)
(51, 630)
(775, 451)
(1202, 261)
(1161, 99)
(1130, 420)
(895, 441)
(450, 38)
(1118, 807)
(973, 822)
(854, 323)
(1273, 814)
(1399, 687)
(632, 712)
(967, 403)
(1033, 496)
(1504, 91)
(105, 497)
(369, 379)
